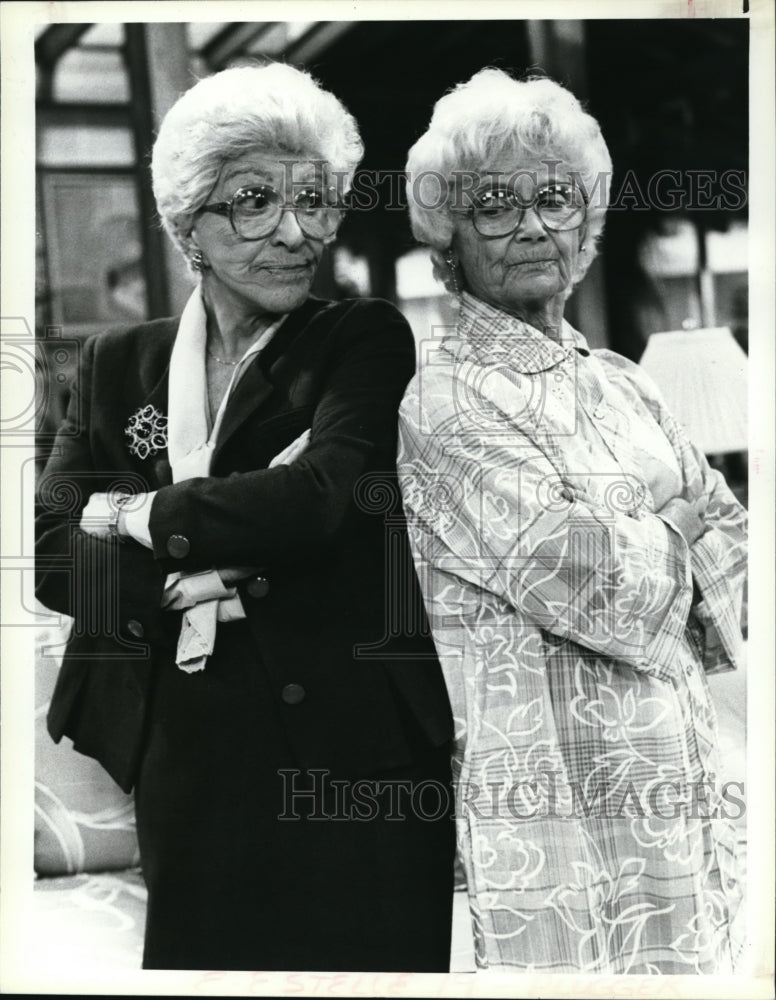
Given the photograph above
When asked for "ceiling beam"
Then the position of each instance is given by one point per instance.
(232, 41)
(314, 42)
(55, 41)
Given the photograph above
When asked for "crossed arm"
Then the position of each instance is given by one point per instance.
(103, 517)
(267, 516)
(620, 585)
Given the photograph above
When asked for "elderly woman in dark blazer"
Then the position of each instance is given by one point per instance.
(582, 565)
(216, 518)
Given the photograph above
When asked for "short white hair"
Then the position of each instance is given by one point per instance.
(274, 107)
(494, 116)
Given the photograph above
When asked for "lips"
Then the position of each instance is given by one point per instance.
(302, 266)
(290, 268)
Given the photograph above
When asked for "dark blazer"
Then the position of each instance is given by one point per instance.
(335, 612)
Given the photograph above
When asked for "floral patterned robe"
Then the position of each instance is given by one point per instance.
(575, 629)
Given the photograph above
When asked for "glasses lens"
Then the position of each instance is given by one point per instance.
(498, 212)
(495, 214)
(560, 206)
(256, 211)
(318, 216)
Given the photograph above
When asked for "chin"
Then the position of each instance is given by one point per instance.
(537, 294)
(283, 300)
(537, 284)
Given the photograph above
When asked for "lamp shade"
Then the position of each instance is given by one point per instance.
(702, 376)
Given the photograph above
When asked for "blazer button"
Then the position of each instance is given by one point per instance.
(292, 694)
(258, 587)
(135, 628)
(178, 546)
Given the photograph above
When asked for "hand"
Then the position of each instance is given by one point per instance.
(195, 588)
(688, 518)
(231, 574)
(663, 484)
(101, 517)
(292, 452)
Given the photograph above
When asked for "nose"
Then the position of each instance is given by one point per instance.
(288, 232)
(530, 227)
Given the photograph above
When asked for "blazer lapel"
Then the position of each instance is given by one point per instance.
(250, 392)
(261, 375)
(158, 397)
(154, 382)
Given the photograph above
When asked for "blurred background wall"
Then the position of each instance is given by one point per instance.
(671, 97)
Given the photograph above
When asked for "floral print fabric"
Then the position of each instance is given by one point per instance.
(575, 629)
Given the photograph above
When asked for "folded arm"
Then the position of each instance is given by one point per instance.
(718, 559)
(293, 512)
(718, 556)
(102, 518)
(616, 585)
(282, 514)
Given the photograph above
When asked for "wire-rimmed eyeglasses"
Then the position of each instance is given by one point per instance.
(499, 211)
(255, 212)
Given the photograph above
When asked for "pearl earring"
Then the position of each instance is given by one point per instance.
(197, 260)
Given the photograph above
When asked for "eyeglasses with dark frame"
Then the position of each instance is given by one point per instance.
(255, 212)
(499, 211)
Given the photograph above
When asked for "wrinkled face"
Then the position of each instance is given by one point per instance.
(529, 268)
(272, 274)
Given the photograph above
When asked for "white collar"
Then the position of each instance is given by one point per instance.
(190, 440)
(496, 337)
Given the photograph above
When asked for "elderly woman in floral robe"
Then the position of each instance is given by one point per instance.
(581, 563)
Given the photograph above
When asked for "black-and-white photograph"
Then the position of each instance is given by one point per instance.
(385, 417)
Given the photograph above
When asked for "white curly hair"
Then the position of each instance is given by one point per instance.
(275, 107)
(488, 118)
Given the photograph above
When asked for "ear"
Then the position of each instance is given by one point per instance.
(188, 241)
(191, 245)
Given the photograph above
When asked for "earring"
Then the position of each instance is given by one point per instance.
(581, 247)
(453, 266)
(197, 261)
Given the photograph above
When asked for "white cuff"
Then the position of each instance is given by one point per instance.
(135, 518)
